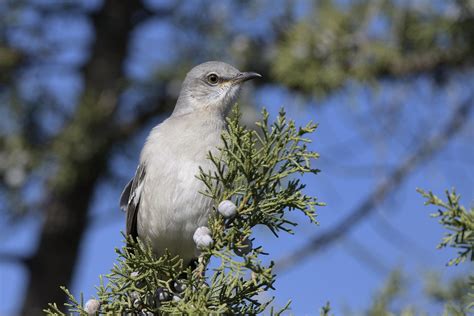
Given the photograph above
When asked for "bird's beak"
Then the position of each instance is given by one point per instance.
(244, 76)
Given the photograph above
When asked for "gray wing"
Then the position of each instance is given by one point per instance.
(130, 200)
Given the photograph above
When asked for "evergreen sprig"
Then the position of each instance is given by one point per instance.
(259, 171)
(458, 220)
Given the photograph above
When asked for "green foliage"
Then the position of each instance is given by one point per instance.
(325, 310)
(384, 297)
(257, 172)
(337, 43)
(73, 305)
(460, 223)
(394, 297)
(455, 294)
(458, 220)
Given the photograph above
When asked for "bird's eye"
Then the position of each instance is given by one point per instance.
(212, 79)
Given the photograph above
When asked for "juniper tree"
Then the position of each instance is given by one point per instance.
(256, 182)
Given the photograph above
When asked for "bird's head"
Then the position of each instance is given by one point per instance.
(212, 85)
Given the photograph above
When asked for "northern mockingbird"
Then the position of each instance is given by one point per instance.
(162, 201)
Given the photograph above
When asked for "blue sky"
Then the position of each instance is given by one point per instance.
(364, 132)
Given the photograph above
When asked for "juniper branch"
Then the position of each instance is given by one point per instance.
(259, 173)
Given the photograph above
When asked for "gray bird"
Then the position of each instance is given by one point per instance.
(162, 201)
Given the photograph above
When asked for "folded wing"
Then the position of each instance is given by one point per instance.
(130, 200)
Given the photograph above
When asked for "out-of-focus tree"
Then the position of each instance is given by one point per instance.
(76, 87)
(368, 40)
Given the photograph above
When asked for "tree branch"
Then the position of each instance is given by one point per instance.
(15, 258)
(425, 151)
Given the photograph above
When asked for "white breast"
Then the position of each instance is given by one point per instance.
(171, 207)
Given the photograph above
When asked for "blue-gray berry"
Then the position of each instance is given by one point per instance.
(163, 295)
(178, 287)
(245, 248)
(202, 238)
(92, 307)
(227, 209)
